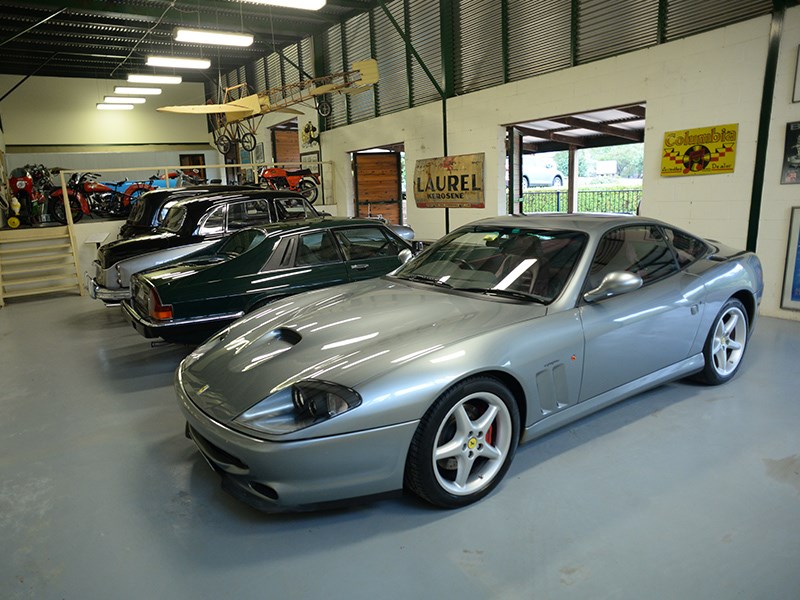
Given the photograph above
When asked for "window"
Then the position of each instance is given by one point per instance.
(247, 214)
(316, 248)
(367, 242)
(642, 250)
(287, 209)
(174, 219)
(687, 248)
(214, 222)
(241, 241)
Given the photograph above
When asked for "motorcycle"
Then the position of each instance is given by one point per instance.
(89, 196)
(28, 204)
(303, 180)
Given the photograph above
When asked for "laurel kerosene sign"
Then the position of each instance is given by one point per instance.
(450, 182)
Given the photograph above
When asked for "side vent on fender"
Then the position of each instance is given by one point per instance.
(551, 384)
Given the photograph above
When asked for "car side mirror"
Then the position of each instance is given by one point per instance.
(614, 284)
(405, 255)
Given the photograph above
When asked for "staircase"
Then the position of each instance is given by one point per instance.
(38, 261)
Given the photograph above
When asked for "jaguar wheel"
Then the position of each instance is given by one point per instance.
(464, 444)
(726, 343)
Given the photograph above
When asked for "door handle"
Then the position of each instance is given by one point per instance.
(360, 267)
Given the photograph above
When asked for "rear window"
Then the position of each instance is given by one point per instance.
(287, 209)
(174, 219)
(687, 248)
(241, 241)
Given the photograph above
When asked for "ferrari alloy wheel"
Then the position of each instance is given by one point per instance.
(464, 444)
(726, 343)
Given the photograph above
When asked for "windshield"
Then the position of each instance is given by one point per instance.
(293, 208)
(510, 262)
(174, 219)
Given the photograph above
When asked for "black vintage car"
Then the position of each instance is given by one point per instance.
(151, 207)
(190, 225)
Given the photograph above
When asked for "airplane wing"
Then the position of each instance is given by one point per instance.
(235, 111)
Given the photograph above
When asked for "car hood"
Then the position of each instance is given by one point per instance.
(347, 334)
(110, 254)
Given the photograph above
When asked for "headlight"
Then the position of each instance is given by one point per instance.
(21, 184)
(299, 406)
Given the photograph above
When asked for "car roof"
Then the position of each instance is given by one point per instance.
(318, 223)
(226, 197)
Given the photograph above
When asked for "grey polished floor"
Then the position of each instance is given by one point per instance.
(683, 492)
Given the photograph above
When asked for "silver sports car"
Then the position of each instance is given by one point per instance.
(427, 379)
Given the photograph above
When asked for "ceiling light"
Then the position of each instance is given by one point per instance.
(142, 91)
(219, 38)
(303, 4)
(104, 106)
(123, 100)
(164, 79)
(180, 63)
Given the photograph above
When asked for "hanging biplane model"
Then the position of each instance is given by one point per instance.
(238, 117)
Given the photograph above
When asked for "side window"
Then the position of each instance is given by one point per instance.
(641, 249)
(214, 222)
(687, 248)
(316, 248)
(247, 214)
(240, 242)
(360, 243)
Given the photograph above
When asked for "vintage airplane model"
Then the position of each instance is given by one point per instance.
(237, 119)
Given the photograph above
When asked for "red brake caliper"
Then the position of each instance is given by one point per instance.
(490, 435)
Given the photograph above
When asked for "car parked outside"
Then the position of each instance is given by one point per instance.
(151, 207)
(189, 299)
(189, 225)
(428, 378)
(540, 170)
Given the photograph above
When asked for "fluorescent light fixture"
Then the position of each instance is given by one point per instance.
(163, 79)
(104, 106)
(218, 38)
(141, 91)
(123, 100)
(179, 63)
(302, 4)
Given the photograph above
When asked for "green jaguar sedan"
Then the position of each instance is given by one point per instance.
(188, 300)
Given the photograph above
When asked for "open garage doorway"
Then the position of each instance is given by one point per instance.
(585, 162)
(379, 183)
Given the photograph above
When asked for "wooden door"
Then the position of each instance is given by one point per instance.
(285, 147)
(377, 185)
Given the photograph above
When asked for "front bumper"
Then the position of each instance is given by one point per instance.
(299, 475)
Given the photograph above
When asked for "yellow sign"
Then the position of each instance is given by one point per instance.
(705, 151)
(449, 182)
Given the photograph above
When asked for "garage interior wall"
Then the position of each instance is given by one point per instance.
(708, 79)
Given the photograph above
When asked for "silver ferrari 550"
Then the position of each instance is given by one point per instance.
(427, 379)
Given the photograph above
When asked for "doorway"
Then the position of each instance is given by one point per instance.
(379, 182)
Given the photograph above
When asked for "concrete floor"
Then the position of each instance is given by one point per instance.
(683, 492)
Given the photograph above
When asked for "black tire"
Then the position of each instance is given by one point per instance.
(525, 183)
(557, 181)
(224, 144)
(482, 443)
(324, 108)
(309, 189)
(248, 141)
(57, 210)
(726, 344)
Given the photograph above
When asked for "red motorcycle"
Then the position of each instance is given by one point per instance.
(89, 196)
(29, 186)
(303, 180)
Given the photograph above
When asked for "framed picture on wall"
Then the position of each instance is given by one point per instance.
(309, 160)
(790, 172)
(790, 297)
(258, 153)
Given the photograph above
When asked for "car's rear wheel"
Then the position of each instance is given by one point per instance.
(464, 444)
(726, 343)
(309, 189)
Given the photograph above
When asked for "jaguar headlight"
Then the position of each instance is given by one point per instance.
(299, 406)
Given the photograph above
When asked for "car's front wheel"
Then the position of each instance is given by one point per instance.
(464, 444)
(726, 343)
